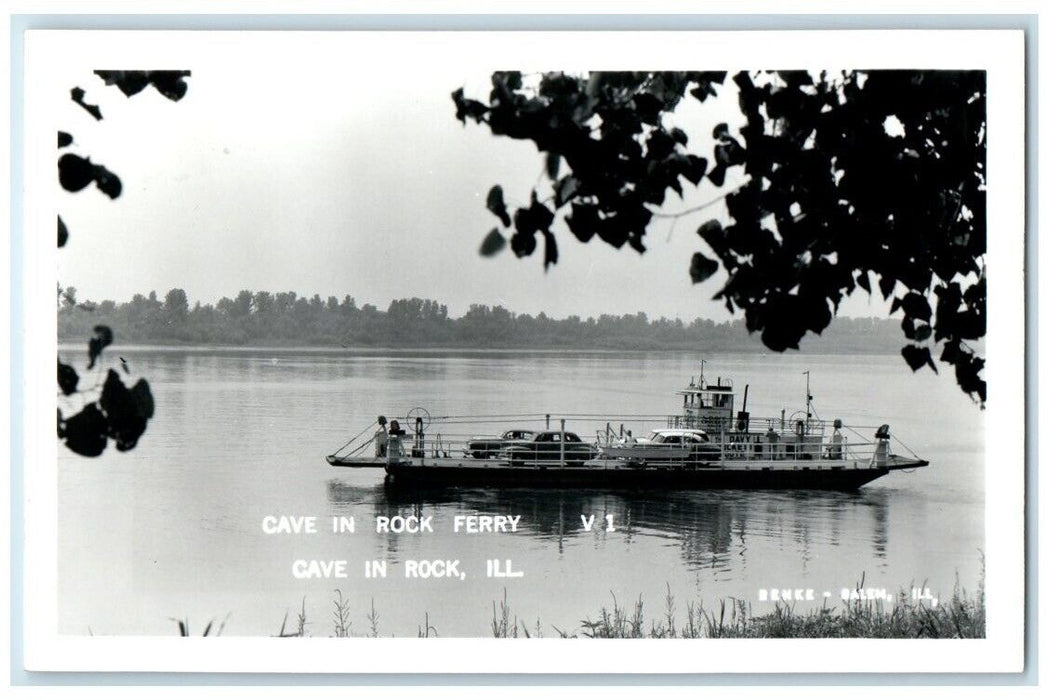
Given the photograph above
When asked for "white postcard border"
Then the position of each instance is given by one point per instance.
(1001, 53)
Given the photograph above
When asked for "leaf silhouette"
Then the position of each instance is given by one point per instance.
(78, 96)
(75, 173)
(917, 356)
(496, 205)
(67, 379)
(169, 83)
(126, 411)
(108, 182)
(85, 432)
(701, 268)
(103, 337)
(492, 243)
(549, 249)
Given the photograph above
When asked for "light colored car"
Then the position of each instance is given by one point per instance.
(675, 436)
(668, 444)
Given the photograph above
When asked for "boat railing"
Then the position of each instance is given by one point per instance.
(727, 424)
(764, 439)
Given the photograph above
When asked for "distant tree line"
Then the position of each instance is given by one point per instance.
(285, 318)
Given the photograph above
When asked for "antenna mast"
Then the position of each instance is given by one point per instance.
(808, 398)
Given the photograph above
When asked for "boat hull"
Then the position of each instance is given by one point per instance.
(820, 474)
(637, 478)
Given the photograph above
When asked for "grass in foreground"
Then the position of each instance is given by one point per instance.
(963, 616)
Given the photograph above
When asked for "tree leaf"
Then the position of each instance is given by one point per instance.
(863, 279)
(916, 306)
(496, 205)
(143, 398)
(63, 233)
(130, 82)
(917, 356)
(713, 234)
(169, 83)
(78, 96)
(523, 244)
(553, 165)
(565, 189)
(780, 334)
(85, 432)
(492, 243)
(583, 221)
(103, 337)
(701, 268)
(75, 173)
(728, 152)
(67, 379)
(967, 373)
(64, 139)
(717, 175)
(468, 108)
(108, 182)
(695, 169)
(886, 284)
(127, 412)
(922, 333)
(549, 250)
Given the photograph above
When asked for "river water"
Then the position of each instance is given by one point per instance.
(174, 528)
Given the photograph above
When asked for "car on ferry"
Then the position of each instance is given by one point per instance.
(667, 444)
(675, 436)
(548, 447)
(487, 447)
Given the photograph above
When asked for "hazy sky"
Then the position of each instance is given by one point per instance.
(291, 171)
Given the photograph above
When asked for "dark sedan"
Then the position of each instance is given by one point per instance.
(485, 447)
(546, 448)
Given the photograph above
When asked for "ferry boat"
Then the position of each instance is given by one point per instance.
(706, 444)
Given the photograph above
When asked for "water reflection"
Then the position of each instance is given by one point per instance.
(713, 529)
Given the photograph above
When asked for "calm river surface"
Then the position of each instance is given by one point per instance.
(173, 529)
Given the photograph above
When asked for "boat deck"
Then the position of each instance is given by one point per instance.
(604, 473)
(893, 462)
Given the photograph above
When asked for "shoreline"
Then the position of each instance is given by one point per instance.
(75, 344)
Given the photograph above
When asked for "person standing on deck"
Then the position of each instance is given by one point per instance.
(381, 438)
(836, 440)
(773, 439)
(396, 449)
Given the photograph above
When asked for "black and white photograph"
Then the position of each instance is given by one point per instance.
(678, 337)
